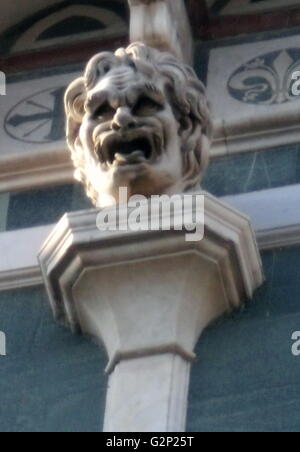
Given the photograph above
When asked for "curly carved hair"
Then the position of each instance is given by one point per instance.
(186, 95)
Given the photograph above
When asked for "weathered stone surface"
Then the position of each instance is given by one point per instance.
(148, 296)
(139, 119)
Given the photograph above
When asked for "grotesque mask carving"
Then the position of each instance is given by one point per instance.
(139, 119)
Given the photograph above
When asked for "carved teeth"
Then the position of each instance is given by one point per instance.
(129, 150)
(134, 157)
(116, 149)
(120, 158)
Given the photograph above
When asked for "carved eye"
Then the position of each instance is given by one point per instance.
(146, 106)
(106, 68)
(104, 110)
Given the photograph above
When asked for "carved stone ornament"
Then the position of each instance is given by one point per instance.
(266, 79)
(139, 119)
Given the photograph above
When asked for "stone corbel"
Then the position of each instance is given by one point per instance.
(147, 296)
(163, 24)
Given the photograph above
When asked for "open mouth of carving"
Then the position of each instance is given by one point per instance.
(127, 151)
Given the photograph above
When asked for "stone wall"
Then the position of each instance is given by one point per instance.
(245, 377)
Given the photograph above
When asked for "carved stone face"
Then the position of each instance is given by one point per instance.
(126, 130)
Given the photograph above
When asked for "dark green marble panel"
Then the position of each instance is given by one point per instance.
(44, 206)
(50, 380)
(253, 171)
(245, 377)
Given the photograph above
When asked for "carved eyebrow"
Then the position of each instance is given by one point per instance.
(145, 90)
(154, 94)
(144, 103)
(95, 100)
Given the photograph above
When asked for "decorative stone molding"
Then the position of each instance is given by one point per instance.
(148, 295)
(19, 249)
(275, 228)
(110, 25)
(273, 215)
(35, 169)
(251, 98)
(20, 278)
(163, 24)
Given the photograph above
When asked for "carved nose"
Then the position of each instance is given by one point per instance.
(123, 119)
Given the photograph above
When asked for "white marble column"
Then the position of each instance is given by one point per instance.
(148, 394)
(163, 24)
